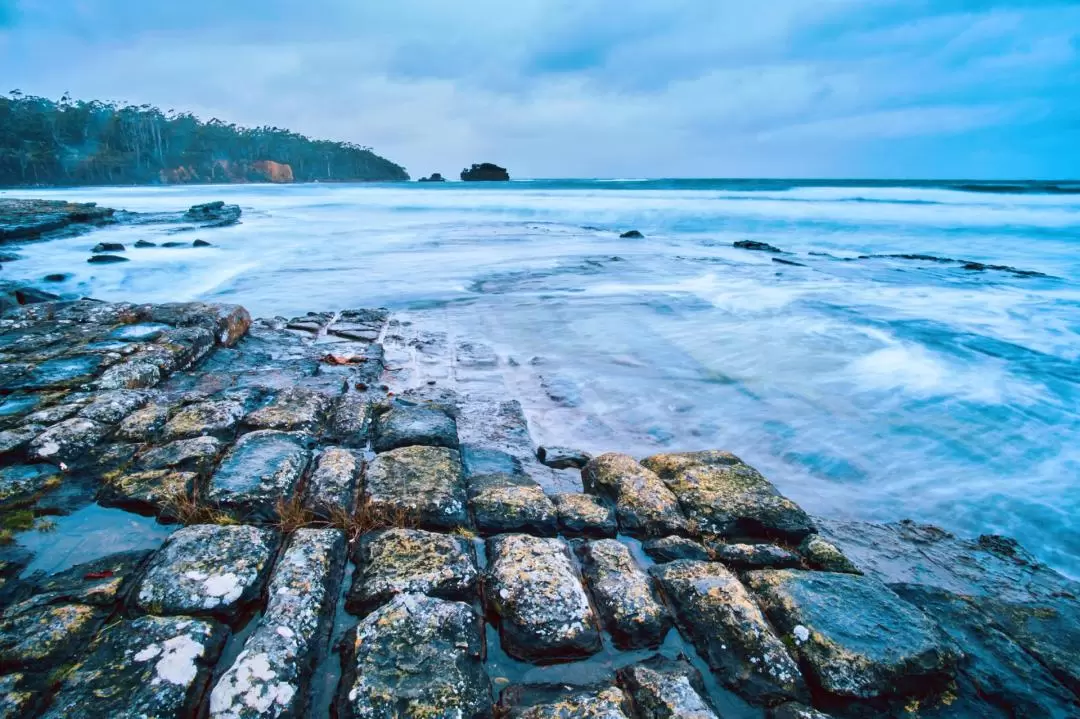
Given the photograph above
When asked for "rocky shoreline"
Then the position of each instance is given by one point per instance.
(332, 491)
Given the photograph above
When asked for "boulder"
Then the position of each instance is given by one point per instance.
(534, 588)
(201, 243)
(755, 245)
(400, 561)
(294, 409)
(564, 702)
(145, 667)
(108, 247)
(823, 555)
(404, 425)
(216, 214)
(503, 503)
(669, 549)
(485, 172)
(632, 235)
(32, 295)
(563, 457)
(67, 440)
(423, 482)
(58, 277)
(37, 637)
(208, 569)
(416, 656)
(585, 515)
(624, 595)
(728, 629)
(272, 674)
(107, 259)
(644, 505)
(855, 637)
(217, 418)
(331, 488)
(725, 496)
(145, 243)
(263, 468)
(663, 688)
(754, 556)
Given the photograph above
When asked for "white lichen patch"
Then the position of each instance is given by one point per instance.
(801, 633)
(249, 684)
(177, 663)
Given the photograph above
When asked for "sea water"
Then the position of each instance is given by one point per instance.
(876, 388)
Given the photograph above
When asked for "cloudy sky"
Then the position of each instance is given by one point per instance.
(595, 88)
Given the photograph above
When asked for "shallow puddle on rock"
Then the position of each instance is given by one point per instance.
(89, 533)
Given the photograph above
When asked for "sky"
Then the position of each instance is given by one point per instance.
(595, 88)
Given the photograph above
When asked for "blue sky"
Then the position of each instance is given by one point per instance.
(595, 88)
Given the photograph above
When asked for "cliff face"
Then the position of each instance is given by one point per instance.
(274, 171)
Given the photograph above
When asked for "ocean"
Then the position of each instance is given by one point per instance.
(863, 386)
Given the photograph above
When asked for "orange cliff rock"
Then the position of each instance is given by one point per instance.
(274, 171)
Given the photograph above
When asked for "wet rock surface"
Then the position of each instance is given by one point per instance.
(400, 561)
(416, 656)
(857, 637)
(149, 666)
(138, 406)
(535, 589)
(724, 622)
(208, 569)
(624, 596)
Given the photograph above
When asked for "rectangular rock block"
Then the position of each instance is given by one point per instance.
(423, 481)
(644, 505)
(271, 676)
(262, 468)
(331, 488)
(294, 409)
(624, 595)
(536, 591)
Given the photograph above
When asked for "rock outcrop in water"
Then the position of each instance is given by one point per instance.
(485, 172)
(250, 437)
(435, 177)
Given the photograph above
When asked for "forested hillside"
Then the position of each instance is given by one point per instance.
(71, 142)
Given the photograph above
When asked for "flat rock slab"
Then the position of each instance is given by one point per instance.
(666, 689)
(424, 482)
(554, 702)
(145, 667)
(294, 409)
(624, 595)
(644, 505)
(729, 630)
(585, 515)
(37, 637)
(153, 492)
(534, 588)
(856, 637)
(208, 569)
(101, 582)
(506, 503)
(67, 441)
(563, 457)
(754, 556)
(416, 656)
(1002, 672)
(198, 454)
(398, 561)
(262, 468)
(143, 425)
(404, 425)
(727, 497)
(271, 676)
(669, 549)
(331, 488)
(351, 421)
(61, 372)
(216, 418)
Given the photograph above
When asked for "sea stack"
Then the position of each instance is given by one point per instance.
(435, 177)
(485, 172)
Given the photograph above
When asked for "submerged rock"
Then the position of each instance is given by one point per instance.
(725, 496)
(271, 675)
(585, 515)
(400, 561)
(724, 622)
(208, 569)
(145, 243)
(662, 688)
(404, 425)
(107, 259)
(644, 505)
(855, 636)
(755, 245)
(262, 468)
(145, 667)
(423, 482)
(416, 656)
(534, 588)
(108, 247)
(624, 595)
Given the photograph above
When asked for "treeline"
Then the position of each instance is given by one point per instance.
(70, 142)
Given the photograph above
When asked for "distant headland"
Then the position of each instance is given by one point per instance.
(74, 142)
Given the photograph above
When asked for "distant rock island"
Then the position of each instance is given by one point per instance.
(485, 172)
(435, 177)
(71, 142)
